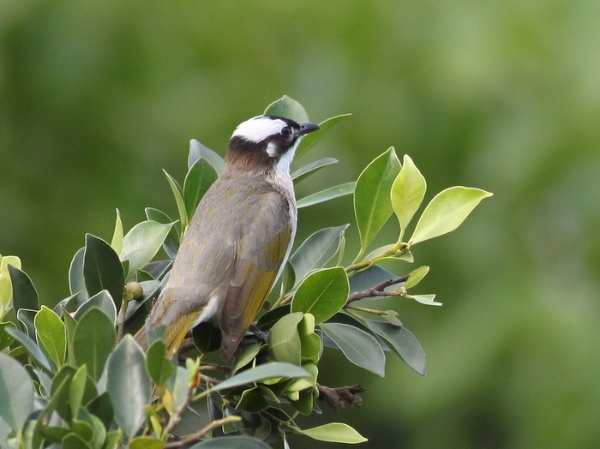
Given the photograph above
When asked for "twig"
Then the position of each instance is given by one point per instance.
(377, 290)
(203, 432)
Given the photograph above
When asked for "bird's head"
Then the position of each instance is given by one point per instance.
(265, 143)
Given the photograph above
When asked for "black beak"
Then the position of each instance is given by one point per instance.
(306, 128)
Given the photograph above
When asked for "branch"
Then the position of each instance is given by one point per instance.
(377, 290)
(197, 436)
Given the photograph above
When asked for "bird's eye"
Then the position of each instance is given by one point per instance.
(286, 132)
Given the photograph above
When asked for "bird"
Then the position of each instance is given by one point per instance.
(238, 240)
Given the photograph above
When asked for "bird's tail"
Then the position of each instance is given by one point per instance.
(142, 337)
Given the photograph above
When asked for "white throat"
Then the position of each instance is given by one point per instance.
(283, 166)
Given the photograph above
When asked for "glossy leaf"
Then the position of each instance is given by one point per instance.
(128, 385)
(93, 341)
(176, 393)
(117, 238)
(368, 278)
(51, 334)
(31, 347)
(446, 211)
(334, 432)
(197, 150)
(428, 300)
(16, 393)
(311, 168)
(5, 339)
(326, 195)
(197, 181)
(262, 372)
(357, 345)
(252, 400)
(372, 203)
(179, 201)
(407, 194)
(142, 243)
(102, 269)
(76, 279)
(171, 243)
(26, 317)
(404, 344)
(232, 442)
(76, 390)
(289, 108)
(158, 366)
(318, 249)
(6, 292)
(24, 294)
(146, 442)
(284, 340)
(101, 300)
(311, 139)
(322, 294)
(416, 276)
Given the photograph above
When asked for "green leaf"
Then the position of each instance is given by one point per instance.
(101, 406)
(102, 269)
(178, 194)
(77, 389)
(311, 168)
(289, 108)
(357, 345)
(197, 181)
(171, 243)
(142, 243)
(16, 393)
(232, 442)
(368, 278)
(93, 341)
(416, 276)
(31, 347)
(101, 300)
(128, 385)
(326, 195)
(74, 441)
(318, 249)
(372, 202)
(322, 294)
(5, 339)
(245, 356)
(24, 294)
(197, 150)
(26, 317)
(51, 334)
(284, 340)
(145, 442)
(76, 279)
(310, 140)
(334, 432)
(252, 400)
(178, 388)
(428, 300)
(446, 211)
(117, 239)
(408, 191)
(158, 366)
(262, 372)
(403, 342)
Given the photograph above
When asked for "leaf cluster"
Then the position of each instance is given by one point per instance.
(72, 376)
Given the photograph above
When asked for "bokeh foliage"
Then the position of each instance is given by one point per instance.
(502, 95)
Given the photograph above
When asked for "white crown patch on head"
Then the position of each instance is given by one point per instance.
(259, 128)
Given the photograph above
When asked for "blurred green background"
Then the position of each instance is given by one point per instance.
(97, 97)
